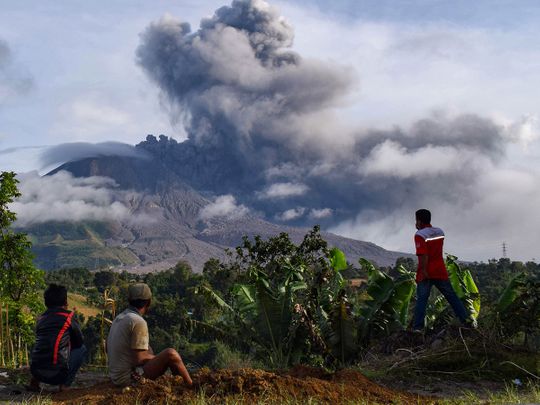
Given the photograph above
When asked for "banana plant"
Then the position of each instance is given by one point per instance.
(334, 314)
(262, 311)
(464, 286)
(387, 305)
(518, 309)
(511, 292)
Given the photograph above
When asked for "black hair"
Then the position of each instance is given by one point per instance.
(423, 216)
(55, 296)
(139, 303)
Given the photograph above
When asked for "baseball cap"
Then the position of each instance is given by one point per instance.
(139, 291)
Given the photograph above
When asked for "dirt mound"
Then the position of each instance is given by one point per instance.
(245, 385)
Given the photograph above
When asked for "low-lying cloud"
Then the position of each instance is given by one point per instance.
(224, 206)
(62, 197)
(68, 152)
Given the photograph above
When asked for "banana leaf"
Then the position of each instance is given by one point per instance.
(341, 338)
(435, 311)
(273, 323)
(510, 293)
(338, 261)
(245, 299)
(454, 277)
(473, 299)
(401, 298)
(212, 296)
(464, 286)
(380, 288)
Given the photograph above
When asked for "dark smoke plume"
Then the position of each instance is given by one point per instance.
(262, 126)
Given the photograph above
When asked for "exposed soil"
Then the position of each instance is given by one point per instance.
(248, 385)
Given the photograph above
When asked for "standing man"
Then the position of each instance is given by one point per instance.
(59, 351)
(432, 270)
(128, 350)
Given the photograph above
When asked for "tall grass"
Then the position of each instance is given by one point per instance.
(108, 309)
(13, 348)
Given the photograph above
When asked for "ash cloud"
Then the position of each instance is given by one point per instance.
(236, 83)
(62, 197)
(261, 122)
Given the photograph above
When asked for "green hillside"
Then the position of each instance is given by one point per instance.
(64, 244)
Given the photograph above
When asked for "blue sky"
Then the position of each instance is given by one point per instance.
(70, 76)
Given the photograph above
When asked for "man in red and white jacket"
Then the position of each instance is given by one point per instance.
(432, 270)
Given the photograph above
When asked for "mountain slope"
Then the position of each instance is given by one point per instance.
(164, 226)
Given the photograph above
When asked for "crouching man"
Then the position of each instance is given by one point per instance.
(128, 350)
(59, 351)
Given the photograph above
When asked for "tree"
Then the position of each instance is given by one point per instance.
(104, 279)
(19, 277)
(20, 280)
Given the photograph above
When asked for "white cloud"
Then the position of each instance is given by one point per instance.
(284, 190)
(62, 197)
(223, 206)
(525, 130)
(392, 159)
(321, 213)
(293, 213)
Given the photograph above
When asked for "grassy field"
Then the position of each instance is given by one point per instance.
(79, 302)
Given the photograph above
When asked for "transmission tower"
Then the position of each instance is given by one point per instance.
(504, 246)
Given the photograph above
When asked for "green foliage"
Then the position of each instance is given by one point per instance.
(220, 355)
(338, 261)
(512, 291)
(386, 307)
(77, 279)
(60, 244)
(288, 300)
(104, 279)
(20, 280)
(464, 286)
(518, 309)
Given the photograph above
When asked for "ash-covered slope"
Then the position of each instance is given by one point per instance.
(166, 225)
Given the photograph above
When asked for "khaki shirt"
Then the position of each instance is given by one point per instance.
(128, 332)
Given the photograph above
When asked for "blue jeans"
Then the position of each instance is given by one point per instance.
(423, 289)
(76, 359)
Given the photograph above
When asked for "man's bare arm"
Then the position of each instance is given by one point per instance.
(142, 356)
